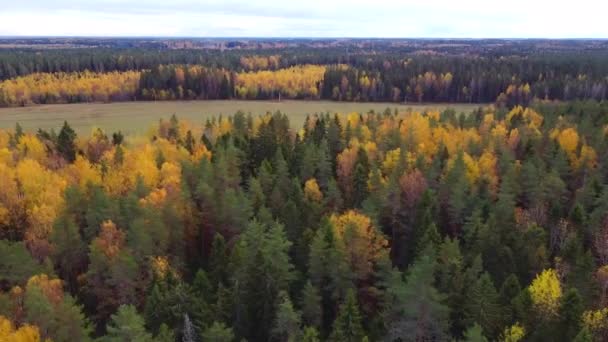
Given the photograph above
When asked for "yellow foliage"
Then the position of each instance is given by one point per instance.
(155, 198)
(43, 195)
(528, 115)
(6, 156)
(170, 176)
(416, 129)
(391, 160)
(4, 215)
(513, 333)
(138, 162)
(366, 134)
(260, 62)
(30, 147)
(486, 123)
(5, 137)
(454, 139)
(371, 149)
(353, 119)
(51, 288)
(59, 87)
(110, 239)
(25, 333)
(10, 198)
(587, 158)
(312, 192)
(596, 320)
(499, 131)
(362, 243)
(514, 138)
(434, 115)
(170, 151)
(386, 127)
(296, 81)
(472, 169)
(225, 126)
(82, 172)
(546, 292)
(346, 162)
(488, 171)
(568, 140)
(160, 266)
(200, 152)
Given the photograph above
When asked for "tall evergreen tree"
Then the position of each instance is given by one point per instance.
(483, 306)
(66, 145)
(127, 325)
(415, 311)
(347, 326)
(312, 312)
(287, 321)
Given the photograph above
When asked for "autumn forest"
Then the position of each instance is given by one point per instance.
(399, 225)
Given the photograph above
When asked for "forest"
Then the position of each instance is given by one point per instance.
(504, 72)
(378, 226)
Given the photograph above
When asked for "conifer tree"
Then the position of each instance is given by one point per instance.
(127, 325)
(66, 145)
(347, 326)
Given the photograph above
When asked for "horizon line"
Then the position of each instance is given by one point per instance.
(293, 37)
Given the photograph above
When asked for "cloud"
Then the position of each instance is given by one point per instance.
(311, 18)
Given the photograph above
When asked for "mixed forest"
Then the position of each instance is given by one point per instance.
(490, 225)
(396, 226)
(506, 72)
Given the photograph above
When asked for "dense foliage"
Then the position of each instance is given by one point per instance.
(505, 72)
(490, 225)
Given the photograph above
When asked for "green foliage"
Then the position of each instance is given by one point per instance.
(483, 305)
(127, 325)
(263, 271)
(16, 265)
(287, 320)
(218, 332)
(312, 311)
(66, 145)
(347, 326)
(474, 334)
(416, 305)
(444, 226)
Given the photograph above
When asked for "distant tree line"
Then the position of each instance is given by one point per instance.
(295, 73)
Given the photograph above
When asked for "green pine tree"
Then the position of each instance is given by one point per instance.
(218, 332)
(66, 143)
(483, 306)
(126, 325)
(287, 321)
(347, 326)
(415, 305)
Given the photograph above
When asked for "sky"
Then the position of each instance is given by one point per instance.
(306, 18)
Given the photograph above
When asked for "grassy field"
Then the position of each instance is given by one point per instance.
(136, 117)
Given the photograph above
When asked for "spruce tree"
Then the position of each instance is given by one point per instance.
(312, 312)
(66, 145)
(483, 306)
(457, 188)
(360, 177)
(287, 321)
(347, 327)
(127, 325)
(570, 312)
(415, 309)
(218, 332)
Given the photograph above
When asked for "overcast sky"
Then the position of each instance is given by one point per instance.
(307, 18)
